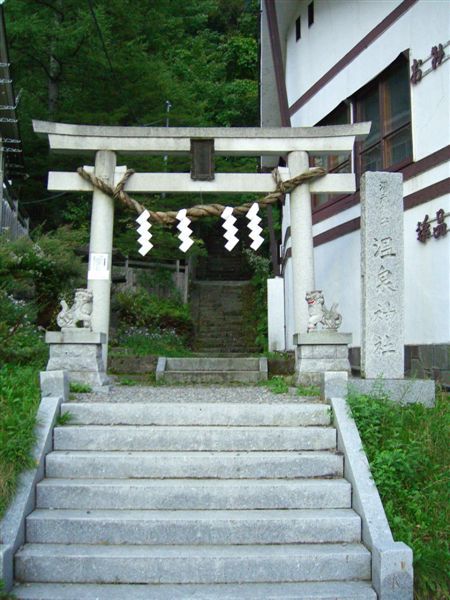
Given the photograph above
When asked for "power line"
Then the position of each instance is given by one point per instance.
(47, 199)
(105, 50)
(100, 35)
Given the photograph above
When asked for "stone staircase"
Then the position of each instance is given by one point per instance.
(219, 318)
(219, 295)
(194, 492)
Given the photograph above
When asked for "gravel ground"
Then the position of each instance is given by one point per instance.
(191, 393)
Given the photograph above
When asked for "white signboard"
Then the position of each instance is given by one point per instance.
(98, 266)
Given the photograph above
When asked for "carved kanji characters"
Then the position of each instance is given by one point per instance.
(384, 344)
(383, 247)
(385, 280)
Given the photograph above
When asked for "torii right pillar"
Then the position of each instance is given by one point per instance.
(318, 351)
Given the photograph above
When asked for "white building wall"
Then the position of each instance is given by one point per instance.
(427, 279)
(337, 28)
(338, 275)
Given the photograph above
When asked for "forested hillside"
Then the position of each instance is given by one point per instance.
(117, 62)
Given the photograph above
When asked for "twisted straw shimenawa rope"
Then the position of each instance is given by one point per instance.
(200, 210)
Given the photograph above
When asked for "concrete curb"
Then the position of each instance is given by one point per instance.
(392, 570)
(12, 526)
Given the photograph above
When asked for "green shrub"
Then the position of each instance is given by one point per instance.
(20, 340)
(139, 309)
(408, 451)
(42, 270)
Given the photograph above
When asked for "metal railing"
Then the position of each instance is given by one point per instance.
(13, 224)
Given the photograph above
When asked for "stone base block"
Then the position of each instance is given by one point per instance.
(54, 384)
(334, 385)
(78, 352)
(319, 352)
(404, 391)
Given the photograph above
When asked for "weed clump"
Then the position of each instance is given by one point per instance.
(408, 451)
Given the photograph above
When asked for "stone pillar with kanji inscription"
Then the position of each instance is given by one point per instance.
(382, 285)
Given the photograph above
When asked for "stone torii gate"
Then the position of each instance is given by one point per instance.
(105, 142)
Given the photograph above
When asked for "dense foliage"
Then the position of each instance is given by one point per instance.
(117, 62)
(408, 451)
(139, 310)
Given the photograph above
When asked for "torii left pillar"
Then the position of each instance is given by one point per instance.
(100, 247)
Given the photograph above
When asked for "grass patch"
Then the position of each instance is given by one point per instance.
(80, 388)
(19, 400)
(309, 390)
(64, 418)
(127, 381)
(277, 384)
(408, 452)
(150, 344)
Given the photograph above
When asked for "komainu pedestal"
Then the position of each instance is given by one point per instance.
(320, 351)
(79, 352)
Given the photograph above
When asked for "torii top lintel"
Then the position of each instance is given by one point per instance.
(237, 141)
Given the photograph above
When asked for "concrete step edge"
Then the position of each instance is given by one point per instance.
(355, 590)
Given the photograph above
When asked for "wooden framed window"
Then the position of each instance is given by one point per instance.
(333, 163)
(386, 102)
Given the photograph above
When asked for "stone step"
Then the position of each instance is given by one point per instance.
(224, 349)
(197, 413)
(193, 527)
(206, 285)
(214, 338)
(194, 394)
(191, 564)
(180, 438)
(330, 590)
(193, 494)
(208, 335)
(222, 377)
(219, 465)
(212, 364)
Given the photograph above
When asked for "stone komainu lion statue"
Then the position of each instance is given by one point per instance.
(319, 313)
(79, 312)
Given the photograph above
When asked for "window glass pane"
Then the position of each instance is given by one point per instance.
(371, 160)
(319, 199)
(339, 163)
(397, 104)
(335, 163)
(398, 146)
(369, 110)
